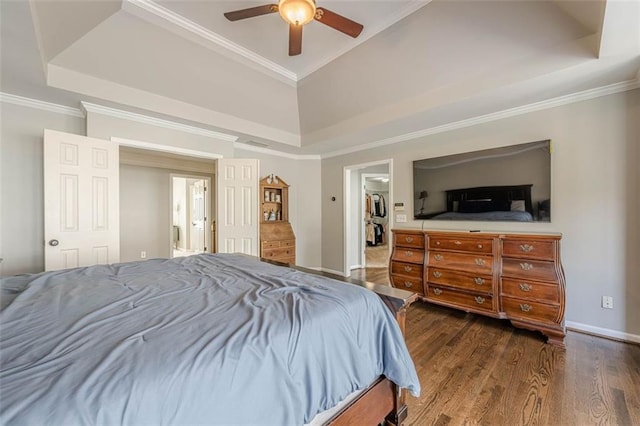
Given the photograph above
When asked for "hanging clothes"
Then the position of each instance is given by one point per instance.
(379, 207)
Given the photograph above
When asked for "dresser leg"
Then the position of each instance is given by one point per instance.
(555, 336)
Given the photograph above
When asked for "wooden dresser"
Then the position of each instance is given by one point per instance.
(277, 242)
(518, 277)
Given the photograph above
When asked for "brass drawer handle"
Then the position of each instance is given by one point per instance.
(437, 243)
(408, 239)
(457, 242)
(437, 291)
(525, 287)
(408, 253)
(408, 268)
(525, 308)
(526, 266)
(479, 280)
(438, 257)
(480, 246)
(408, 284)
(437, 274)
(526, 248)
(480, 262)
(479, 300)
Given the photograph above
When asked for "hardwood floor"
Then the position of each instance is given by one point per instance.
(479, 370)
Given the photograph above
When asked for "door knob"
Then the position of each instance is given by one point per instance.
(53, 243)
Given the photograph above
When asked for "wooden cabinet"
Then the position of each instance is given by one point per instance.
(517, 277)
(532, 284)
(461, 271)
(407, 259)
(277, 240)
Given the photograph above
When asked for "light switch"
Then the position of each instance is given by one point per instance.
(401, 218)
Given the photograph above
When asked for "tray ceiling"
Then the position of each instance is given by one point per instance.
(417, 65)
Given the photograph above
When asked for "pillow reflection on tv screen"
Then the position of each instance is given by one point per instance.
(517, 206)
(475, 206)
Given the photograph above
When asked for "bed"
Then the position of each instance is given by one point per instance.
(206, 339)
(489, 203)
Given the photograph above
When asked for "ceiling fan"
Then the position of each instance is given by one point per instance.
(297, 13)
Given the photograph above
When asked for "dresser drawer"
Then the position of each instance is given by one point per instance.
(529, 249)
(474, 301)
(475, 282)
(405, 254)
(288, 243)
(475, 245)
(278, 253)
(270, 244)
(529, 269)
(407, 283)
(533, 290)
(409, 240)
(518, 308)
(463, 262)
(406, 269)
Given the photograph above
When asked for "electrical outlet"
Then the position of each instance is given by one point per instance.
(607, 302)
(143, 254)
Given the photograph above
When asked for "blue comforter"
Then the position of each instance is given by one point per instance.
(207, 339)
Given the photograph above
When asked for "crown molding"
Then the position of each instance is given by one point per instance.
(159, 122)
(207, 35)
(164, 148)
(38, 104)
(268, 151)
(512, 112)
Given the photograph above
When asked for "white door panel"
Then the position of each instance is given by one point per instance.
(237, 194)
(81, 209)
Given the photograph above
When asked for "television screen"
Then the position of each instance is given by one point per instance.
(510, 183)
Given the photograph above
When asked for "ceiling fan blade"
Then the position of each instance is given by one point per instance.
(251, 12)
(295, 39)
(338, 22)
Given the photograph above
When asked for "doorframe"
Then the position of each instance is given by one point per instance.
(350, 203)
(363, 237)
(207, 210)
(187, 153)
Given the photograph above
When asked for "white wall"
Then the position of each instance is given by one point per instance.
(21, 184)
(105, 127)
(595, 196)
(145, 213)
(305, 206)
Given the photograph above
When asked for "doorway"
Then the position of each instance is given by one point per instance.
(375, 219)
(190, 215)
(356, 222)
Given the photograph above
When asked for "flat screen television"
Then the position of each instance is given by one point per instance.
(511, 183)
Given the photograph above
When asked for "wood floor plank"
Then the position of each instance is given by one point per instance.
(478, 370)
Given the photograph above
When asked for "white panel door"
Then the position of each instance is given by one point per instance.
(81, 201)
(198, 216)
(237, 206)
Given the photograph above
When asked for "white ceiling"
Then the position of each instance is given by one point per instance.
(417, 66)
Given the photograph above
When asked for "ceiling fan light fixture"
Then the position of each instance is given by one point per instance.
(297, 12)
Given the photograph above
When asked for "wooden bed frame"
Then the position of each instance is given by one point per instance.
(496, 193)
(383, 401)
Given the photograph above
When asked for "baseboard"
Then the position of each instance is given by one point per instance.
(603, 332)
(331, 271)
(351, 268)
